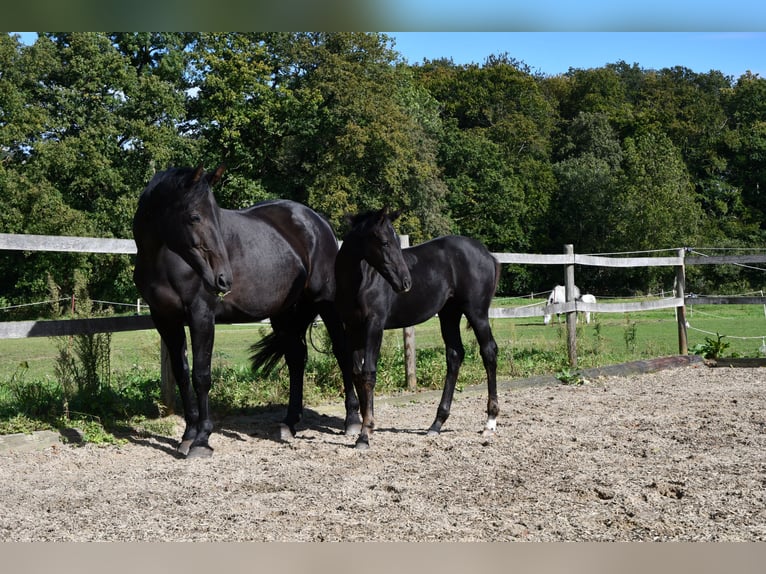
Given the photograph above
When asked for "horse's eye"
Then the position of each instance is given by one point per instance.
(385, 243)
(195, 218)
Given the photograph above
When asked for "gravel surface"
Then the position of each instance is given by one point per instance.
(674, 455)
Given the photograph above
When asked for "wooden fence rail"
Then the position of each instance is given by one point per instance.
(568, 259)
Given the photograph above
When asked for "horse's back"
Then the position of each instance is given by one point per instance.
(465, 263)
(283, 240)
(447, 269)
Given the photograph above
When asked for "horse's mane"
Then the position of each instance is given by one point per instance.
(361, 218)
(171, 187)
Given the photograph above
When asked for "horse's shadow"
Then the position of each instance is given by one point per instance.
(260, 423)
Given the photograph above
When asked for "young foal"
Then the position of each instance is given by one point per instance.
(380, 286)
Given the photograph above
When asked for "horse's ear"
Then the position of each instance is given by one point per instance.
(383, 214)
(394, 215)
(198, 174)
(216, 176)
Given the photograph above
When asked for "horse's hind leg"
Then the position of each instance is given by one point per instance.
(488, 349)
(449, 319)
(291, 332)
(340, 348)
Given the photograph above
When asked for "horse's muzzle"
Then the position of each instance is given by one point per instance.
(223, 284)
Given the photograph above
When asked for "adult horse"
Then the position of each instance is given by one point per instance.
(558, 295)
(380, 286)
(198, 264)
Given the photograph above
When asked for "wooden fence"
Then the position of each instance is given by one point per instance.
(568, 259)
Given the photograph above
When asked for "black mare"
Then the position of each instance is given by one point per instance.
(380, 286)
(198, 264)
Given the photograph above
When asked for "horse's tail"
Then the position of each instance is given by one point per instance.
(266, 354)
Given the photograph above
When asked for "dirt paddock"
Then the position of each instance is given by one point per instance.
(678, 454)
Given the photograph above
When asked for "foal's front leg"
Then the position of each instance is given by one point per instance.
(365, 363)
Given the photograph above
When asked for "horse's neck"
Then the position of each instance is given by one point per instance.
(355, 271)
(147, 237)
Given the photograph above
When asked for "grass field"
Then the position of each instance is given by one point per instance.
(526, 345)
(31, 397)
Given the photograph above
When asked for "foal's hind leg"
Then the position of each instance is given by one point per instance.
(449, 319)
(488, 349)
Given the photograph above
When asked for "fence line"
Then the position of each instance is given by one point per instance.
(25, 242)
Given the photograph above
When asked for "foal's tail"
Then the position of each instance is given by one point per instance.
(266, 354)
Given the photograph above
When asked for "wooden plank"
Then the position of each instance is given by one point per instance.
(644, 366)
(26, 442)
(724, 300)
(532, 259)
(602, 261)
(744, 362)
(723, 259)
(560, 308)
(29, 242)
(65, 327)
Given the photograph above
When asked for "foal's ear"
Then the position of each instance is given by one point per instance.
(392, 215)
(215, 177)
(198, 174)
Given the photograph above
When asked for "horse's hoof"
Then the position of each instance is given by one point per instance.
(200, 451)
(184, 447)
(362, 443)
(432, 432)
(285, 432)
(488, 433)
(353, 429)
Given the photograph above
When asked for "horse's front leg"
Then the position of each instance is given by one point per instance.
(174, 339)
(365, 363)
(455, 353)
(202, 331)
(352, 423)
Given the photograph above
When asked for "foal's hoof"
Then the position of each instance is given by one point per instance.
(285, 432)
(488, 433)
(432, 432)
(200, 451)
(362, 443)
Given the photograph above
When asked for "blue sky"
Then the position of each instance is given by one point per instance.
(732, 53)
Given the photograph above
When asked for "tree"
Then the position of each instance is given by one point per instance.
(655, 206)
(357, 133)
(747, 146)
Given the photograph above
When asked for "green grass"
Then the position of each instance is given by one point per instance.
(30, 395)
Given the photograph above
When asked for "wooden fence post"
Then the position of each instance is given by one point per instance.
(683, 348)
(409, 340)
(569, 286)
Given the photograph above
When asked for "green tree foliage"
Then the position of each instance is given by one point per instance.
(357, 133)
(616, 158)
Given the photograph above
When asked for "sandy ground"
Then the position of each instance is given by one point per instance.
(674, 455)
